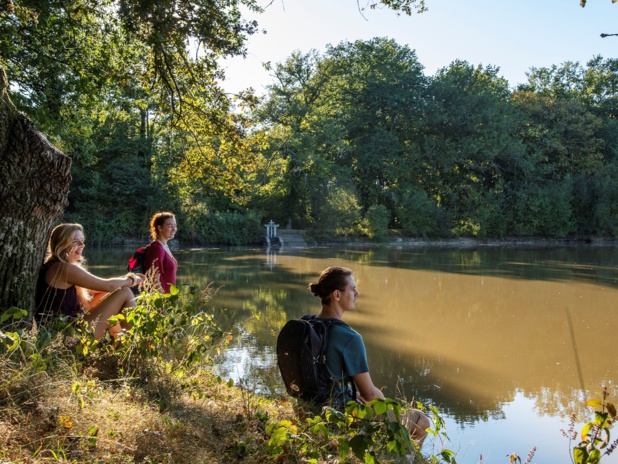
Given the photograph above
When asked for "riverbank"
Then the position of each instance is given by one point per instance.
(77, 417)
(61, 407)
(395, 239)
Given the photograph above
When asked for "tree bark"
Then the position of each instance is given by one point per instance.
(34, 187)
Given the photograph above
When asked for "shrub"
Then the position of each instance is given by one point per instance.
(376, 222)
(225, 228)
(421, 216)
(339, 214)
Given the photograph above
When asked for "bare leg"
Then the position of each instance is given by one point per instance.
(97, 298)
(416, 422)
(111, 304)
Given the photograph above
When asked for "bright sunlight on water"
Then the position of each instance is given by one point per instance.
(506, 342)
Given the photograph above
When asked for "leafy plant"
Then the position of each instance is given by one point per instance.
(170, 334)
(595, 435)
(371, 432)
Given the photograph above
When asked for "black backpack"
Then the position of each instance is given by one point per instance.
(301, 345)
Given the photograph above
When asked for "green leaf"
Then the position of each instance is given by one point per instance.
(580, 455)
(600, 419)
(595, 456)
(370, 458)
(380, 407)
(344, 447)
(13, 313)
(391, 446)
(359, 445)
(230, 383)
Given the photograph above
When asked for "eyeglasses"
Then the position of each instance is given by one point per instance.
(79, 243)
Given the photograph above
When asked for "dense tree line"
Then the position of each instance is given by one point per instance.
(352, 142)
(359, 138)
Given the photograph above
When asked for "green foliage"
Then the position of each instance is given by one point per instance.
(170, 335)
(340, 212)
(595, 436)
(148, 128)
(420, 216)
(375, 223)
(227, 228)
(405, 6)
(456, 154)
(365, 431)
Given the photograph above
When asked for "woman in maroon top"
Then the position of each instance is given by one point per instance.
(158, 255)
(65, 287)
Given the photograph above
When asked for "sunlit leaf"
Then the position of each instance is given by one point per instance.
(380, 407)
(580, 455)
(586, 431)
(594, 403)
(370, 458)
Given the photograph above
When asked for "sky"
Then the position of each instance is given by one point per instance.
(512, 35)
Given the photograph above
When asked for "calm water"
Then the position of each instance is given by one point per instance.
(506, 342)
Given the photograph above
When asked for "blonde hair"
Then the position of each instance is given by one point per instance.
(158, 220)
(58, 248)
(61, 242)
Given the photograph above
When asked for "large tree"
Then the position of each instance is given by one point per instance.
(34, 183)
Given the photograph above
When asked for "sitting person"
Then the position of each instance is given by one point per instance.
(158, 255)
(346, 356)
(65, 287)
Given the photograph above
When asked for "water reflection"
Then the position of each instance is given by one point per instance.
(473, 331)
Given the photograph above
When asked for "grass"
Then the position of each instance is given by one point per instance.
(68, 414)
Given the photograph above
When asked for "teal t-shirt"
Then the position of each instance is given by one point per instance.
(346, 356)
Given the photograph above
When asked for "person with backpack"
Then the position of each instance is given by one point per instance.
(66, 288)
(345, 355)
(158, 254)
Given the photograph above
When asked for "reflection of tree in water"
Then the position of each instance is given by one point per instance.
(412, 378)
(267, 305)
(558, 402)
(252, 365)
(253, 353)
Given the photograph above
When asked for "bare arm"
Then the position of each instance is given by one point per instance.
(70, 274)
(368, 391)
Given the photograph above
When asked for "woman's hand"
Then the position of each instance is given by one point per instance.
(135, 279)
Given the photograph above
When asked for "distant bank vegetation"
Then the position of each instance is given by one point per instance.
(350, 143)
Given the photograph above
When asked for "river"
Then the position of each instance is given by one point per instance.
(506, 342)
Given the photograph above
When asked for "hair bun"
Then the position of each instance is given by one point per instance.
(315, 289)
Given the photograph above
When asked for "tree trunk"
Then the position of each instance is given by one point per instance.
(34, 186)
